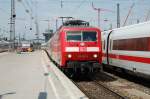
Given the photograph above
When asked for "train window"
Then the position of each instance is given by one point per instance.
(74, 36)
(104, 44)
(133, 44)
(89, 36)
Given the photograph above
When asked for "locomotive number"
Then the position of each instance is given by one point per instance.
(83, 49)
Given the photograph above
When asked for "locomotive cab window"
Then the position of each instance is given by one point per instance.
(81, 36)
(74, 36)
(103, 44)
(89, 36)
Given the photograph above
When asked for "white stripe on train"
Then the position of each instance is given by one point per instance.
(77, 49)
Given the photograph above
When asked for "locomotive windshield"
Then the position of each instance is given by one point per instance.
(81, 36)
(74, 36)
(89, 36)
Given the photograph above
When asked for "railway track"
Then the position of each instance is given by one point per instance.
(107, 86)
(97, 90)
(100, 84)
(129, 85)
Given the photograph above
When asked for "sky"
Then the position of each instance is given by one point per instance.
(79, 9)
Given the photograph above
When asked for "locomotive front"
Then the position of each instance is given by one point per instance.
(82, 48)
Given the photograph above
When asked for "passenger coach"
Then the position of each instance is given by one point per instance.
(128, 48)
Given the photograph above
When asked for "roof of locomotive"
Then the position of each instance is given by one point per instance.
(78, 27)
(76, 24)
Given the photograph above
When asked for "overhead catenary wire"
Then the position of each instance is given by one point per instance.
(26, 1)
(71, 2)
(27, 6)
(28, 9)
(99, 11)
(129, 12)
(4, 11)
(31, 11)
(77, 7)
(23, 4)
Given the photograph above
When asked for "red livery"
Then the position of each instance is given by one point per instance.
(76, 46)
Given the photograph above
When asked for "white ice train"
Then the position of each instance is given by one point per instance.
(128, 48)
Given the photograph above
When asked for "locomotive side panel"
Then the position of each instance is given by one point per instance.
(54, 48)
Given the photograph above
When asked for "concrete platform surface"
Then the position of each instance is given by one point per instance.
(62, 86)
(22, 77)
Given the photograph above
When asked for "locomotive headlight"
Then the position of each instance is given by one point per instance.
(69, 55)
(95, 55)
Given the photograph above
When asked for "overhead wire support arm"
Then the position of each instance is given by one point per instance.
(130, 10)
(99, 11)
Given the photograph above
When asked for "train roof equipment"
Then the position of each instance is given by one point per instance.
(76, 23)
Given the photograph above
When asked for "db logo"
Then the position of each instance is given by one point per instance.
(82, 49)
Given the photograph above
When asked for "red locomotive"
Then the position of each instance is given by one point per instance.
(76, 46)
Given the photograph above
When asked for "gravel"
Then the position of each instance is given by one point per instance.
(96, 92)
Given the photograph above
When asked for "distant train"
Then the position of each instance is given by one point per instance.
(128, 48)
(26, 47)
(4, 46)
(76, 46)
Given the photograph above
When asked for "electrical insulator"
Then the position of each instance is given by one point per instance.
(14, 16)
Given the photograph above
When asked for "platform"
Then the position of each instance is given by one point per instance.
(22, 77)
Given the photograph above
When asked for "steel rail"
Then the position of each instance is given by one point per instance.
(82, 89)
(100, 84)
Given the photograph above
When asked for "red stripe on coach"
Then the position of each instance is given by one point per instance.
(129, 58)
